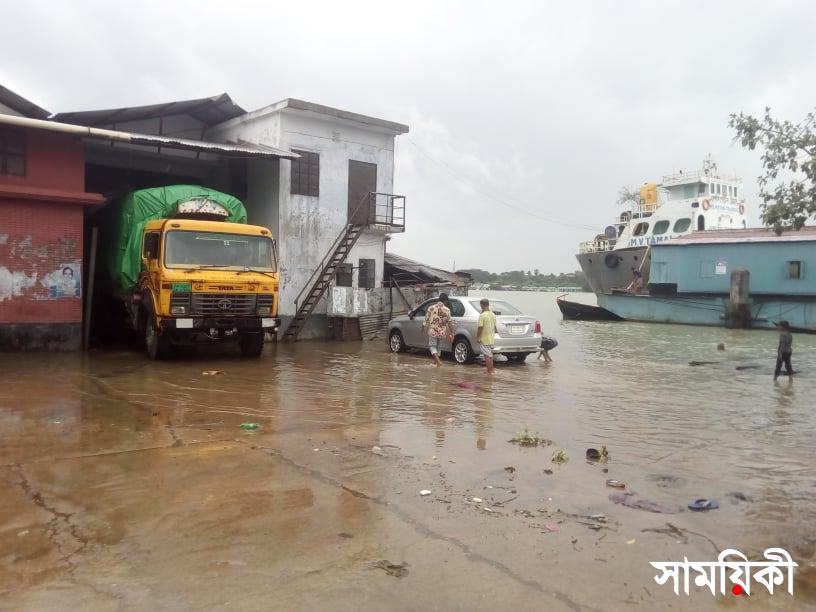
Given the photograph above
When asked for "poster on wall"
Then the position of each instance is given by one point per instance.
(66, 282)
(721, 267)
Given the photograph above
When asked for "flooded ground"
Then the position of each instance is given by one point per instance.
(127, 484)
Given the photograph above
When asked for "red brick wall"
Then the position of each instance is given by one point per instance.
(53, 161)
(38, 239)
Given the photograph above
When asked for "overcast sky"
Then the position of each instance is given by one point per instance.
(526, 117)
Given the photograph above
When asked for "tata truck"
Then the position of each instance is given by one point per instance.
(189, 270)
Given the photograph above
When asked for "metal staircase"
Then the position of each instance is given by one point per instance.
(384, 212)
(321, 279)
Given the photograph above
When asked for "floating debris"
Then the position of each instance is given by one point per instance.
(397, 570)
(593, 454)
(510, 469)
(548, 471)
(560, 456)
(702, 505)
(425, 492)
(525, 438)
(250, 426)
(617, 484)
(213, 372)
(630, 500)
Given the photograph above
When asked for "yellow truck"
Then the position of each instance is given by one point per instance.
(190, 270)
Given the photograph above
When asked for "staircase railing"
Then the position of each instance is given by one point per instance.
(321, 267)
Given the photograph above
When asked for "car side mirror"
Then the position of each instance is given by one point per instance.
(411, 316)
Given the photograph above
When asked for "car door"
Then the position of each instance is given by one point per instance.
(412, 331)
(458, 316)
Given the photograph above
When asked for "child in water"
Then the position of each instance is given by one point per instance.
(547, 344)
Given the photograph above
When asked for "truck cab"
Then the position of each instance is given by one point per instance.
(205, 281)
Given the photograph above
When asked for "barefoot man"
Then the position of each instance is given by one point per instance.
(486, 334)
(439, 325)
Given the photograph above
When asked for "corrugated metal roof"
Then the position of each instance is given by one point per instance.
(422, 272)
(25, 107)
(754, 234)
(233, 150)
(212, 110)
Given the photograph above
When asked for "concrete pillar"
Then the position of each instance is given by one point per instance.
(738, 313)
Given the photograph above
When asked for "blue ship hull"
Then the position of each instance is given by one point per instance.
(708, 310)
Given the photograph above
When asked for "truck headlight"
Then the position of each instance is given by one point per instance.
(178, 310)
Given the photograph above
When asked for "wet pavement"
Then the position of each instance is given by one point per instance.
(129, 485)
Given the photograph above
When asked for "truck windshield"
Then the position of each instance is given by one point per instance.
(190, 249)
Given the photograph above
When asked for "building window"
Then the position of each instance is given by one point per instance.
(305, 179)
(641, 229)
(343, 276)
(794, 269)
(12, 152)
(365, 279)
(661, 227)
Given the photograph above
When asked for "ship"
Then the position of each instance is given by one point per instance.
(684, 254)
(680, 204)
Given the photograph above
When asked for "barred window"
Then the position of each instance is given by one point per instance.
(366, 278)
(343, 275)
(305, 179)
(12, 151)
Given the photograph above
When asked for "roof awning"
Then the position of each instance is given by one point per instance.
(218, 148)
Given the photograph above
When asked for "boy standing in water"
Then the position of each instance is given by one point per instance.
(486, 334)
(784, 351)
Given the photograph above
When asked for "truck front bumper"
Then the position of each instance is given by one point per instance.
(206, 323)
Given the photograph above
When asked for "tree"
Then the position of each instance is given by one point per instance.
(788, 186)
(628, 196)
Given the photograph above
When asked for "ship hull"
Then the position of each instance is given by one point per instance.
(607, 270)
(710, 310)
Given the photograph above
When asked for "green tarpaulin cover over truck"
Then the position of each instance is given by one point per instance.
(132, 213)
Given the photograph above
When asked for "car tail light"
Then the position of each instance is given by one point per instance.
(537, 327)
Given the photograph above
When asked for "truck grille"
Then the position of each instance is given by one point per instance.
(220, 304)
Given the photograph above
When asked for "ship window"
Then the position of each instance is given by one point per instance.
(681, 225)
(661, 227)
(711, 188)
(641, 229)
(735, 192)
(701, 223)
(701, 189)
(794, 269)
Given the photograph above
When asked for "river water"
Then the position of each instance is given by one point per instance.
(351, 420)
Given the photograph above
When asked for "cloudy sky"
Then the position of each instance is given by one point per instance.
(526, 117)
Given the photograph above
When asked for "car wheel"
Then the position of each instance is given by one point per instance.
(517, 357)
(395, 342)
(462, 353)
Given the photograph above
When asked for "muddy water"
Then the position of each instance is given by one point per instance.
(130, 485)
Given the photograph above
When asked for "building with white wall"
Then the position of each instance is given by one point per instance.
(308, 202)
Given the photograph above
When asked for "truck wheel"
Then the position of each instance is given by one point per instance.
(157, 345)
(251, 344)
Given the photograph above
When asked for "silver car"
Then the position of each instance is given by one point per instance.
(517, 335)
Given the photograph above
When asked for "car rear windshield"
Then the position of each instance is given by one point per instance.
(498, 307)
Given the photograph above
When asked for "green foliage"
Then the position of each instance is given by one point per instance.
(521, 278)
(788, 187)
(525, 438)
